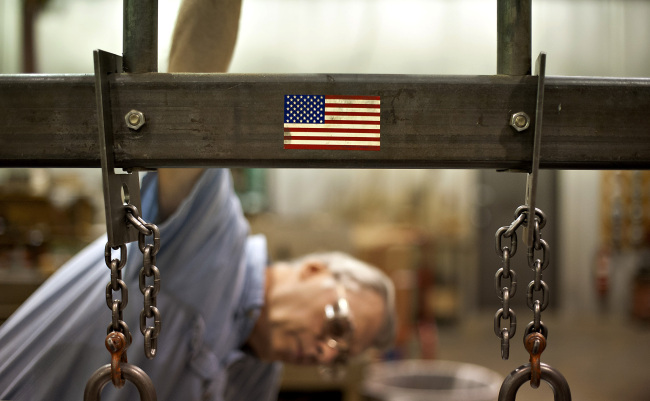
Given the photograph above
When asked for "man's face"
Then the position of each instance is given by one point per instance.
(308, 323)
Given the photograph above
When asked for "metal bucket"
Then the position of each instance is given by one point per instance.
(418, 380)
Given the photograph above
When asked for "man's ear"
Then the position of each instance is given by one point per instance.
(311, 268)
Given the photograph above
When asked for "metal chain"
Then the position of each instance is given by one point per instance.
(538, 304)
(118, 335)
(506, 291)
(117, 285)
(149, 270)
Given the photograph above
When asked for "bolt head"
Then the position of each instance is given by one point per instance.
(134, 119)
(520, 121)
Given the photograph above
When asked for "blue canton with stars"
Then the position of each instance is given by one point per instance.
(304, 109)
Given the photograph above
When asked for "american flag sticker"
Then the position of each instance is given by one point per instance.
(331, 122)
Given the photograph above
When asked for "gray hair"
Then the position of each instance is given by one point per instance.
(352, 273)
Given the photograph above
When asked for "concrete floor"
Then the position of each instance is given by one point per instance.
(603, 358)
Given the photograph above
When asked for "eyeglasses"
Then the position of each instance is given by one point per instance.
(338, 329)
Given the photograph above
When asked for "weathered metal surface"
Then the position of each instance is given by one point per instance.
(119, 189)
(140, 36)
(514, 37)
(512, 383)
(237, 120)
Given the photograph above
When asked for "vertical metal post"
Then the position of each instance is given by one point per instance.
(140, 39)
(514, 37)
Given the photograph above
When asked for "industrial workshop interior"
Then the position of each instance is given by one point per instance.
(431, 230)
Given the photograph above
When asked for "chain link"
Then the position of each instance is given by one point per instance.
(537, 304)
(537, 296)
(505, 291)
(115, 305)
(149, 291)
(148, 270)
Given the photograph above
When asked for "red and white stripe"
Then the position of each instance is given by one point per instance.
(351, 123)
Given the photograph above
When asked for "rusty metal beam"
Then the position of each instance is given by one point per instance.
(237, 120)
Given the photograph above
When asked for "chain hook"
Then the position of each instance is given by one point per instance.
(116, 344)
(535, 344)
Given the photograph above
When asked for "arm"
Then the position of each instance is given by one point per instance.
(204, 36)
(203, 41)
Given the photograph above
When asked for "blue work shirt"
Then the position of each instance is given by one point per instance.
(212, 289)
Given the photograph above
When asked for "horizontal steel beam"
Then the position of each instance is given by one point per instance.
(237, 120)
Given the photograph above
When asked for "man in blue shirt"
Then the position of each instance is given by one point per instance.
(228, 318)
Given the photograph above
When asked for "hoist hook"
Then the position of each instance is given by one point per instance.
(116, 344)
(535, 344)
(521, 375)
(130, 372)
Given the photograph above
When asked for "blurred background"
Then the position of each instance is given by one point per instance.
(432, 231)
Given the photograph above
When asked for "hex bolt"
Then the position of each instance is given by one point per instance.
(520, 121)
(134, 119)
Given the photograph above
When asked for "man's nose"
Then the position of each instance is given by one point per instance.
(326, 351)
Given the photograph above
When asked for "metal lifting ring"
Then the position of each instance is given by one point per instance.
(132, 373)
(521, 375)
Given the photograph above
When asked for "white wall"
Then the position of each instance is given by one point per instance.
(368, 36)
(581, 37)
(593, 37)
(68, 31)
(10, 33)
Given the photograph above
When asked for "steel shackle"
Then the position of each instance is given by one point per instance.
(521, 375)
(130, 372)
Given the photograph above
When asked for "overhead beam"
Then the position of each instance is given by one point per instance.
(237, 120)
